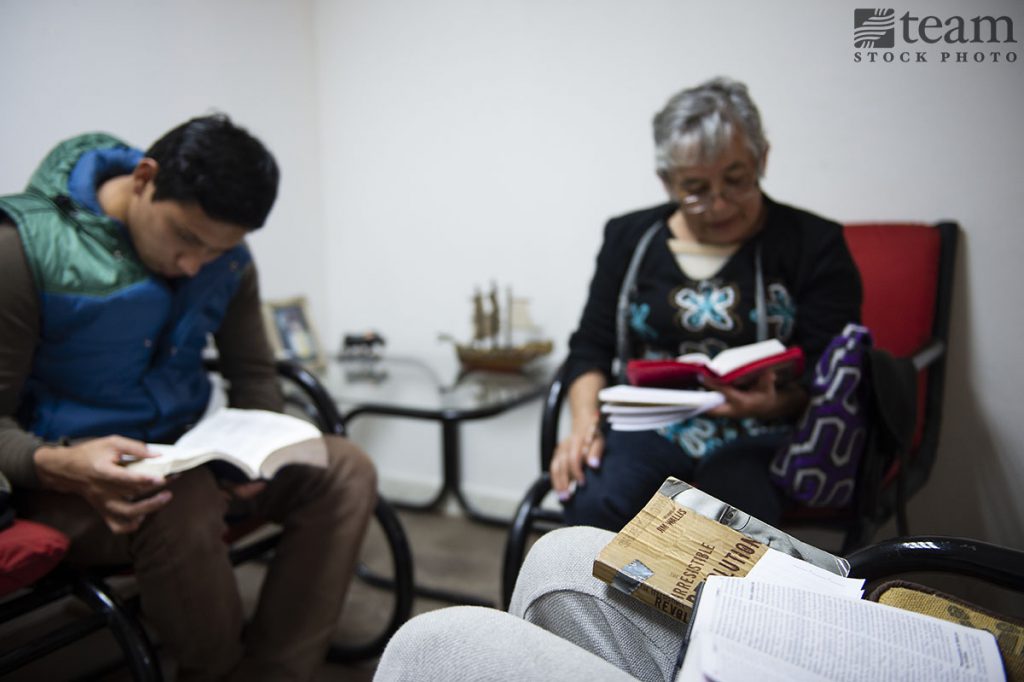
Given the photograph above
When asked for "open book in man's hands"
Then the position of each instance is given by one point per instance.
(736, 366)
(240, 444)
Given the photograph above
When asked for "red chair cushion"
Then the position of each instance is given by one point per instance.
(28, 551)
(899, 268)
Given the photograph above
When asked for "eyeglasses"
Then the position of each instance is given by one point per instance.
(733, 190)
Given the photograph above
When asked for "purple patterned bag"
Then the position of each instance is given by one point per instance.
(818, 467)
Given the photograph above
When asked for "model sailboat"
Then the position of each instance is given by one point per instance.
(503, 340)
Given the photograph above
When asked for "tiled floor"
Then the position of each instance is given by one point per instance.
(449, 551)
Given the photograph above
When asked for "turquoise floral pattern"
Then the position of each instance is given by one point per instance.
(695, 436)
(780, 311)
(639, 313)
(707, 305)
(700, 436)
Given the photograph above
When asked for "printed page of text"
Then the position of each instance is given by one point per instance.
(837, 638)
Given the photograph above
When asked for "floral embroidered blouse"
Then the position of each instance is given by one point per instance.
(812, 289)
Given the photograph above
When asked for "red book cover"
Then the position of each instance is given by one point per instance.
(735, 366)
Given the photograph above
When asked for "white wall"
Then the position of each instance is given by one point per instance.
(467, 141)
(431, 147)
(137, 69)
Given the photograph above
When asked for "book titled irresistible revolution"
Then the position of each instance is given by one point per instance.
(684, 535)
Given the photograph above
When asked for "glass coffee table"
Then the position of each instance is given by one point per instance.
(411, 389)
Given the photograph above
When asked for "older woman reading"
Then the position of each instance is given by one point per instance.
(719, 266)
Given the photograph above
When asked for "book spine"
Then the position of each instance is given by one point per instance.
(670, 606)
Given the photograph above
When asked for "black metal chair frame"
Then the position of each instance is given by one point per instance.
(108, 610)
(995, 564)
(873, 504)
(325, 414)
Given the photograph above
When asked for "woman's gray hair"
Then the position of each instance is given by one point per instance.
(697, 124)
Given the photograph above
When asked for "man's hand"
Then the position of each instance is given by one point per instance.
(93, 470)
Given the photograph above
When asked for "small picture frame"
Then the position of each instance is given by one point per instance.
(291, 332)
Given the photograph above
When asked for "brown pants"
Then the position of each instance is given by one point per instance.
(187, 585)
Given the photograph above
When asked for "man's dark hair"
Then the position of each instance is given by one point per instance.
(214, 163)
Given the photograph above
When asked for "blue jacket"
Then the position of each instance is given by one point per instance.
(120, 349)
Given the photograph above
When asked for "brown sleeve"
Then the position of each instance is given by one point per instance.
(246, 360)
(19, 333)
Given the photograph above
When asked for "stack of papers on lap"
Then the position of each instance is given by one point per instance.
(777, 568)
(637, 408)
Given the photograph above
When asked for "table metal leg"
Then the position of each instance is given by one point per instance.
(451, 480)
(451, 484)
(451, 447)
(449, 464)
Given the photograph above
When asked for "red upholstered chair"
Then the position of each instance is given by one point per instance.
(28, 551)
(907, 273)
(31, 576)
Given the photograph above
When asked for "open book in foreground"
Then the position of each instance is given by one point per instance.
(747, 630)
(738, 366)
(683, 535)
(638, 408)
(251, 444)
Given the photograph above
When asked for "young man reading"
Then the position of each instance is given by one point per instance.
(118, 264)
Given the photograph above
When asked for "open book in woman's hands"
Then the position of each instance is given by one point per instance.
(240, 444)
(736, 366)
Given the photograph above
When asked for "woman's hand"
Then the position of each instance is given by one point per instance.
(583, 448)
(761, 400)
(585, 445)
